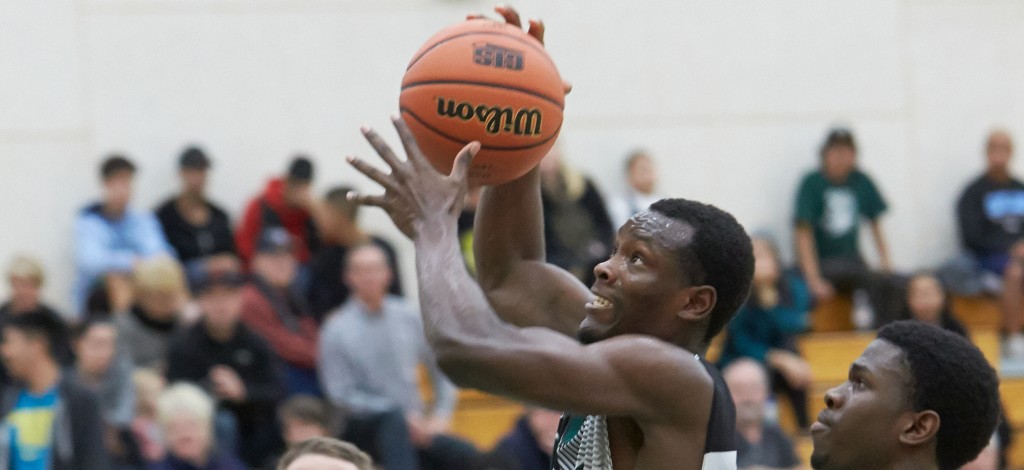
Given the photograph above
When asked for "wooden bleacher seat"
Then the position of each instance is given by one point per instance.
(479, 417)
(833, 315)
(978, 312)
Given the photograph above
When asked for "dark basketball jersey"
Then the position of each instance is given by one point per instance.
(582, 441)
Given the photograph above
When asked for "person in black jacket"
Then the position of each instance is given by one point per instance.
(578, 232)
(198, 229)
(233, 364)
(991, 218)
(44, 398)
(340, 232)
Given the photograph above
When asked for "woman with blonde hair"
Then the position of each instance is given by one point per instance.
(147, 328)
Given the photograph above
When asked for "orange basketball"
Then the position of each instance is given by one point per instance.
(486, 81)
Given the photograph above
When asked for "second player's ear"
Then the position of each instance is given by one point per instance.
(922, 428)
(698, 302)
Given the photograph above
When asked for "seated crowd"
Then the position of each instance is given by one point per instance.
(196, 344)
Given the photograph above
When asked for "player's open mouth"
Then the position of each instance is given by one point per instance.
(599, 302)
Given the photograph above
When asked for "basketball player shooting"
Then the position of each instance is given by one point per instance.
(620, 359)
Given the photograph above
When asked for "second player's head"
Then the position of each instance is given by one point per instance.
(919, 396)
(679, 272)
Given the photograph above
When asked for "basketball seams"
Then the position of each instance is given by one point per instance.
(528, 43)
(452, 138)
(561, 106)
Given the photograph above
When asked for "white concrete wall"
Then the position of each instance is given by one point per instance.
(732, 97)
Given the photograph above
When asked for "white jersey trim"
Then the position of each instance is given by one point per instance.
(719, 461)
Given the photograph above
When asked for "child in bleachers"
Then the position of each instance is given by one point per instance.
(928, 301)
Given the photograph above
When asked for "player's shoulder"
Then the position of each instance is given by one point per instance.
(649, 359)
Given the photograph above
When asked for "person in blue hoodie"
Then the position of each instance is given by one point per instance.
(110, 236)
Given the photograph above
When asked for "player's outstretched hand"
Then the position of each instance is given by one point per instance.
(414, 192)
(512, 17)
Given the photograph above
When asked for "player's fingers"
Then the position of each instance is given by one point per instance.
(536, 30)
(412, 149)
(566, 86)
(366, 200)
(510, 14)
(382, 149)
(460, 170)
(383, 179)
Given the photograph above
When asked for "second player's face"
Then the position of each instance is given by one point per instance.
(639, 288)
(861, 423)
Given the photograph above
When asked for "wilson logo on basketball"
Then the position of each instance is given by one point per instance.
(498, 57)
(522, 121)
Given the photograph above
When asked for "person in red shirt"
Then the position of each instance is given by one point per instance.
(273, 310)
(285, 202)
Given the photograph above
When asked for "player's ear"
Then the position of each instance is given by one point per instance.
(921, 428)
(698, 302)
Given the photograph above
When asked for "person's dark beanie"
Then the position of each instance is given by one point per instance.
(300, 170)
(115, 164)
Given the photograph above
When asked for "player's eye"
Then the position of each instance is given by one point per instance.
(636, 258)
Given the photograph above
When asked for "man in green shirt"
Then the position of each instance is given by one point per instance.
(830, 205)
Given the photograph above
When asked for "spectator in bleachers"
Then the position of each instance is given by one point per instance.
(324, 453)
(275, 312)
(528, 445)
(110, 237)
(642, 180)
(234, 365)
(764, 329)
(578, 233)
(146, 422)
(49, 421)
(303, 417)
(25, 278)
(830, 204)
(339, 232)
(928, 302)
(370, 350)
(186, 416)
(198, 229)
(285, 202)
(100, 368)
(147, 328)
(759, 444)
(991, 219)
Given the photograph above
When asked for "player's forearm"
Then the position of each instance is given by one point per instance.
(509, 229)
(456, 315)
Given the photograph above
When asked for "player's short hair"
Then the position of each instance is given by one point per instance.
(720, 255)
(115, 164)
(951, 377)
(327, 447)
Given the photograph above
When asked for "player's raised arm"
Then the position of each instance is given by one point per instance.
(508, 246)
(477, 349)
